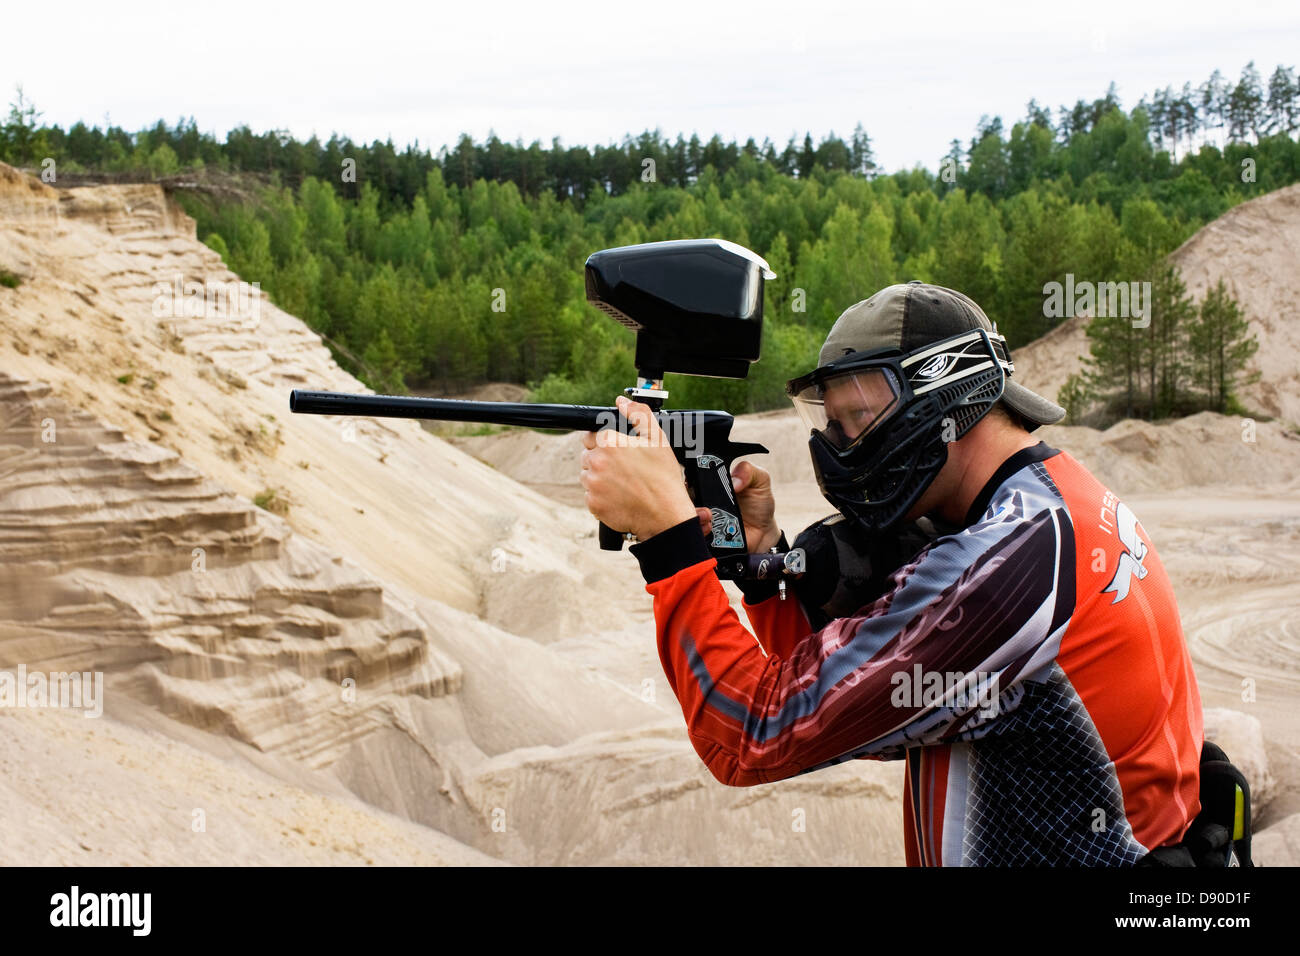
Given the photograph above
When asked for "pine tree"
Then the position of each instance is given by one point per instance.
(1213, 102)
(1245, 105)
(951, 170)
(807, 157)
(22, 138)
(1221, 344)
(1113, 369)
(776, 292)
(1283, 101)
(384, 365)
(863, 161)
(1165, 346)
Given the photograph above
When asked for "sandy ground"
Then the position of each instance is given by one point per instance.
(98, 791)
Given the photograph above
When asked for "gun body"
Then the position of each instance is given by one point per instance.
(701, 440)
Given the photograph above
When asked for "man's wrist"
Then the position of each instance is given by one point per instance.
(664, 554)
(669, 516)
(768, 540)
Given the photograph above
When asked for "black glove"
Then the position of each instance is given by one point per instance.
(847, 569)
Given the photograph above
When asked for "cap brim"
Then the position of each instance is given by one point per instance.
(1031, 406)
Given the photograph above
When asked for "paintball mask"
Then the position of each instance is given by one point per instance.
(893, 390)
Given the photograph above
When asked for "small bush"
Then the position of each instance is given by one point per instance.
(271, 500)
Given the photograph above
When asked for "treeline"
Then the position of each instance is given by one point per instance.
(437, 272)
(482, 284)
(1105, 153)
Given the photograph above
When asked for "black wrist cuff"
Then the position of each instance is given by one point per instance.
(671, 551)
(756, 591)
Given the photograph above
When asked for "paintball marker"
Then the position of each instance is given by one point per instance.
(696, 306)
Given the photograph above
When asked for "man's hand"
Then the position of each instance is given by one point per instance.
(753, 488)
(634, 482)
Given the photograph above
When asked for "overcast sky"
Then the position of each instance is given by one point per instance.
(916, 75)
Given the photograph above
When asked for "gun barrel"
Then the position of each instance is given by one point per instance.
(565, 417)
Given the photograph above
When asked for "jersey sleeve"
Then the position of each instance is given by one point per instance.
(938, 658)
(778, 625)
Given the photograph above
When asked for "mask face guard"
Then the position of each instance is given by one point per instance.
(943, 389)
(845, 403)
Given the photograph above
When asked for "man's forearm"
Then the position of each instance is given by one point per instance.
(692, 610)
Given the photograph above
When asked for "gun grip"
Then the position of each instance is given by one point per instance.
(610, 540)
(710, 483)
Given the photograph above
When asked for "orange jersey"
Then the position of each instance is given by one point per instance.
(1030, 669)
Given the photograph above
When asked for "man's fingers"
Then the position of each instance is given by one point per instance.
(706, 520)
(589, 440)
(639, 417)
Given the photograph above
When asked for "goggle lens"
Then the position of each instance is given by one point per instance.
(846, 408)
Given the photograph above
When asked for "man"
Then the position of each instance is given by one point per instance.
(1028, 663)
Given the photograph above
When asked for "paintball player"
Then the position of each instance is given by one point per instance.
(1027, 662)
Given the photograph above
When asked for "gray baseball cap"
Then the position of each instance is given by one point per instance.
(912, 315)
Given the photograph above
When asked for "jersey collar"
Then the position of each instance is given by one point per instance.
(1026, 456)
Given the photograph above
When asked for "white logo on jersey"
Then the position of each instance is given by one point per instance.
(1130, 561)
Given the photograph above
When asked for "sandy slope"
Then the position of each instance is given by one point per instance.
(94, 792)
(215, 390)
(1255, 249)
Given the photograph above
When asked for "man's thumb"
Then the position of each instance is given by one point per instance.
(747, 477)
(741, 475)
